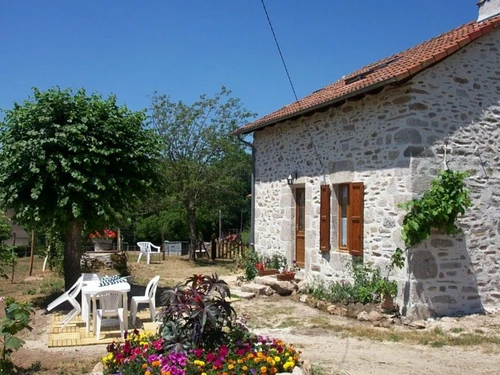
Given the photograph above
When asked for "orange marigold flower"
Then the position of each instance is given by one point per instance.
(144, 366)
(263, 369)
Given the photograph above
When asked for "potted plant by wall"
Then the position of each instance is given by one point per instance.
(263, 271)
(387, 290)
(286, 275)
(270, 264)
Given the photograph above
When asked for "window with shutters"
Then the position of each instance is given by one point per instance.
(350, 202)
(324, 225)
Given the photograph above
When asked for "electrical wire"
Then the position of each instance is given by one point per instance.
(279, 50)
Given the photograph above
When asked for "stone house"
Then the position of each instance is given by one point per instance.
(331, 169)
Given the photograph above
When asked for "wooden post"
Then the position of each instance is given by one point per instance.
(213, 249)
(118, 240)
(32, 250)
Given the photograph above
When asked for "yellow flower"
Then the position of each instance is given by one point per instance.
(277, 359)
(244, 368)
(230, 366)
(144, 366)
(197, 362)
(147, 373)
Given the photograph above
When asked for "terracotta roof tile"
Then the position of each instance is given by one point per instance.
(394, 68)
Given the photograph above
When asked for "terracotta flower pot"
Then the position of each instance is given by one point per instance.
(387, 302)
(285, 276)
(267, 272)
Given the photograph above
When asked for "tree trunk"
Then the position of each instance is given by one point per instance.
(72, 248)
(193, 237)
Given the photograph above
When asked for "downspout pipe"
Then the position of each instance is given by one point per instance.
(252, 201)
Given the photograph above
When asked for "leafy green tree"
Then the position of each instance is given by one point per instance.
(69, 160)
(197, 145)
(7, 255)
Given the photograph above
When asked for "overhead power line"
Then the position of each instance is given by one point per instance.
(279, 50)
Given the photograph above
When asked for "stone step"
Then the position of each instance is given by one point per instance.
(259, 289)
(238, 293)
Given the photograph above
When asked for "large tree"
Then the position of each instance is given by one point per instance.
(69, 159)
(197, 143)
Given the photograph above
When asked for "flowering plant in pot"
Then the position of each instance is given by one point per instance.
(107, 234)
(104, 240)
(288, 273)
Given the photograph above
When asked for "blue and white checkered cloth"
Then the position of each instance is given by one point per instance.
(110, 280)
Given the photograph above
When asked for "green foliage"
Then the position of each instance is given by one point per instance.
(6, 252)
(197, 313)
(205, 168)
(52, 286)
(275, 261)
(68, 155)
(438, 208)
(249, 261)
(367, 286)
(69, 159)
(17, 318)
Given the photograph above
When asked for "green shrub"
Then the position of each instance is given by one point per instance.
(17, 318)
(367, 286)
(249, 261)
(197, 313)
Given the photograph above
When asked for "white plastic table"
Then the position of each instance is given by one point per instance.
(91, 286)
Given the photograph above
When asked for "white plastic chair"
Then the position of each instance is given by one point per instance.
(110, 305)
(69, 296)
(147, 248)
(148, 297)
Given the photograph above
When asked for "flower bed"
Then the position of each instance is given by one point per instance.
(144, 354)
(199, 335)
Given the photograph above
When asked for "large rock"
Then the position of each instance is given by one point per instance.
(363, 316)
(258, 289)
(98, 369)
(374, 316)
(283, 288)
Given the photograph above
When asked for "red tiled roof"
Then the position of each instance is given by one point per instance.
(392, 69)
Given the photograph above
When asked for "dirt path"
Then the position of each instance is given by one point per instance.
(338, 354)
(320, 336)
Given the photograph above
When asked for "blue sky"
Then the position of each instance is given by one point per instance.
(185, 48)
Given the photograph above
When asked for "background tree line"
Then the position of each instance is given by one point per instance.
(72, 163)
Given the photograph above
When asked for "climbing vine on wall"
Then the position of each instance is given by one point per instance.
(438, 208)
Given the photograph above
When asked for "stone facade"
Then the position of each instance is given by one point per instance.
(395, 142)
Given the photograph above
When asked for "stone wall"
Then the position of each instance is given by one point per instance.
(395, 142)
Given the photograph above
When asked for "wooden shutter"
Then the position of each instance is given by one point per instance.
(324, 225)
(355, 218)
